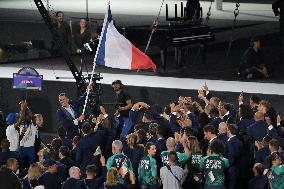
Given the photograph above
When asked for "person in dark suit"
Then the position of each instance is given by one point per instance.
(254, 101)
(222, 135)
(81, 36)
(210, 135)
(8, 177)
(63, 137)
(226, 111)
(245, 117)
(73, 182)
(268, 111)
(64, 34)
(259, 129)
(160, 142)
(259, 181)
(133, 151)
(64, 156)
(262, 149)
(5, 153)
(49, 179)
(68, 115)
(88, 145)
(214, 117)
(252, 63)
(92, 180)
(234, 151)
(274, 147)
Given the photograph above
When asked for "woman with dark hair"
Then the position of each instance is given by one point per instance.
(147, 171)
(133, 151)
(194, 177)
(245, 117)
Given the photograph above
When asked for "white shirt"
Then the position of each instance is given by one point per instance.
(13, 137)
(212, 139)
(231, 137)
(28, 139)
(70, 110)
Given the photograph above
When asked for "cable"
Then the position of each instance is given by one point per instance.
(154, 27)
(236, 13)
(209, 12)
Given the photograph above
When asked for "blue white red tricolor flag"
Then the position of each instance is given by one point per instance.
(115, 51)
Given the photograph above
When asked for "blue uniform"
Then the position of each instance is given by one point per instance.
(244, 123)
(65, 119)
(95, 183)
(257, 131)
(71, 183)
(50, 181)
(234, 152)
(86, 147)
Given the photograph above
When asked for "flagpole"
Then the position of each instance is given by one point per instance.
(94, 63)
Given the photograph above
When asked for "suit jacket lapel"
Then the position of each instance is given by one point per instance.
(67, 113)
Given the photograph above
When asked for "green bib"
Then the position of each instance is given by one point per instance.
(214, 169)
(147, 171)
(276, 177)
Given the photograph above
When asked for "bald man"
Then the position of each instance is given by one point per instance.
(73, 182)
(259, 129)
(171, 147)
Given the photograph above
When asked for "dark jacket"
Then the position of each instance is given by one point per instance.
(95, 183)
(261, 154)
(234, 152)
(8, 179)
(86, 147)
(135, 155)
(50, 181)
(65, 119)
(71, 183)
(244, 123)
(5, 155)
(259, 182)
(257, 131)
(29, 184)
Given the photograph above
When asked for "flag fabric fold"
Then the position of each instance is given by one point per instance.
(115, 51)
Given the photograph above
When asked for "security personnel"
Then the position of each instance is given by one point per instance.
(214, 166)
(147, 171)
(120, 161)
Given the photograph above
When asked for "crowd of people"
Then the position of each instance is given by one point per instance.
(202, 143)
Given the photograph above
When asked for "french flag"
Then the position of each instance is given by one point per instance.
(115, 51)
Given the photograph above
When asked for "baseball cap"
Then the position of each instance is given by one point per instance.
(11, 118)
